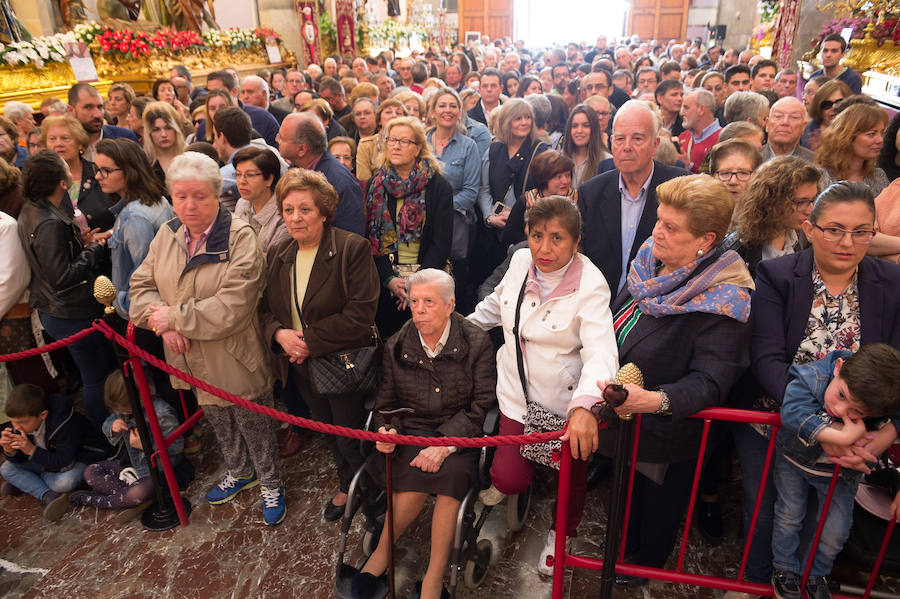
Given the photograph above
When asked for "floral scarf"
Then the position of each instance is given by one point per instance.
(384, 233)
(721, 288)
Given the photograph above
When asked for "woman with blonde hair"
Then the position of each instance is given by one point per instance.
(850, 147)
(163, 138)
(413, 102)
(369, 152)
(409, 217)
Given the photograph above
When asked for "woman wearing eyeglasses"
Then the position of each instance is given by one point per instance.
(850, 147)
(732, 162)
(830, 296)
(257, 171)
(821, 111)
(409, 217)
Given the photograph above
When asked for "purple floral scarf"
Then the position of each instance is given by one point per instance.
(384, 233)
(723, 287)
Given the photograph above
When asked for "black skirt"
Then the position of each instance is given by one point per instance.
(457, 475)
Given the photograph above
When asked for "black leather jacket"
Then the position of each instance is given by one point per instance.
(62, 269)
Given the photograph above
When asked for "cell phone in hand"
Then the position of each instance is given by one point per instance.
(499, 208)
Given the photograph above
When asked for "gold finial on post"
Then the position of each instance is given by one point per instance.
(105, 293)
(629, 373)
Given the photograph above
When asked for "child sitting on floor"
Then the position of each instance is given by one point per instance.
(824, 403)
(46, 448)
(124, 482)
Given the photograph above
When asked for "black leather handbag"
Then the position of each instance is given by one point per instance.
(352, 370)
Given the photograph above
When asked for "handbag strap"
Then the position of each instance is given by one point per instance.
(294, 295)
(520, 358)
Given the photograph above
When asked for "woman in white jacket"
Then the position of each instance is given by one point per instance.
(567, 345)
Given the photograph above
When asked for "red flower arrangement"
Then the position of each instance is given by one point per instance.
(264, 33)
(137, 44)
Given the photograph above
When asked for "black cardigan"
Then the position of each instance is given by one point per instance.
(434, 248)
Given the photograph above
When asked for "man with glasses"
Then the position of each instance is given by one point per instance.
(647, 80)
(785, 126)
(597, 83)
(303, 143)
(293, 83)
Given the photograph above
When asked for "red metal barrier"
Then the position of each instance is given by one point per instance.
(563, 559)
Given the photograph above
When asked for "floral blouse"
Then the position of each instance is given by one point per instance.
(833, 322)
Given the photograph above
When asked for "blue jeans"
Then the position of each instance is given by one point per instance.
(792, 485)
(31, 478)
(751, 448)
(94, 357)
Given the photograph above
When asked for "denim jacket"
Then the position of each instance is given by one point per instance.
(803, 414)
(168, 422)
(461, 167)
(136, 226)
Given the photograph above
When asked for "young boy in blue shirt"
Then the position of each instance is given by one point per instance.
(825, 402)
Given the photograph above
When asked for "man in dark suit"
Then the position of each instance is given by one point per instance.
(303, 143)
(255, 92)
(618, 208)
(490, 89)
(86, 105)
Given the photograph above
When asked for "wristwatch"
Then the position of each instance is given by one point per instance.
(665, 406)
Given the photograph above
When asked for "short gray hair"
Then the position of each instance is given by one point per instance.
(259, 81)
(16, 110)
(745, 106)
(640, 106)
(432, 276)
(704, 98)
(541, 107)
(193, 166)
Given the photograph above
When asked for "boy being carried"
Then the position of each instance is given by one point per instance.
(825, 402)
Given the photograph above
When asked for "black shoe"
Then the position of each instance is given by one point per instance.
(709, 521)
(786, 585)
(417, 591)
(365, 585)
(817, 588)
(334, 512)
(624, 580)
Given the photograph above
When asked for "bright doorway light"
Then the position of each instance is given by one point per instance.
(550, 22)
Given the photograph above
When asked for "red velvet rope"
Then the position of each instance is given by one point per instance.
(28, 353)
(314, 425)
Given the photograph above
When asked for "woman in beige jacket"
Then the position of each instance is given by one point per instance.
(198, 289)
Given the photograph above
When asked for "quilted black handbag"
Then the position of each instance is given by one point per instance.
(352, 370)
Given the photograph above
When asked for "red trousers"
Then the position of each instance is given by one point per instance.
(511, 474)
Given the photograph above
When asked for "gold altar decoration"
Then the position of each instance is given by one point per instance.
(866, 54)
(138, 58)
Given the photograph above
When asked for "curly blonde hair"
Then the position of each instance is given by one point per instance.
(767, 205)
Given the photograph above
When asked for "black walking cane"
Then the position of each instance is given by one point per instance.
(161, 514)
(389, 416)
(615, 395)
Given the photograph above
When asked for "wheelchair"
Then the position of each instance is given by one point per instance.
(469, 556)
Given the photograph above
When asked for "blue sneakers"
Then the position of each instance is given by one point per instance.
(228, 488)
(273, 505)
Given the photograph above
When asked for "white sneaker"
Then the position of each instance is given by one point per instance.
(545, 562)
(491, 496)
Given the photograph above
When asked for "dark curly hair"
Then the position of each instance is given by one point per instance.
(888, 155)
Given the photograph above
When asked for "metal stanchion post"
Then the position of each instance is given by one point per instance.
(161, 514)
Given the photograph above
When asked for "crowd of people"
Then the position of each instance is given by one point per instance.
(510, 226)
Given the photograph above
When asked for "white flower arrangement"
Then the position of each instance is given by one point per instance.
(86, 32)
(214, 38)
(37, 52)
(241, 38)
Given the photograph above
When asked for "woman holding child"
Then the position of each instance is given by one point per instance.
(830, 296)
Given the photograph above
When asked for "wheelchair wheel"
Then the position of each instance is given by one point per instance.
(517, 507)
(477, 566)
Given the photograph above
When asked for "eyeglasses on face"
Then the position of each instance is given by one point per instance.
(104, 171)
(859, 236)
(725, 176)
(398, 141)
